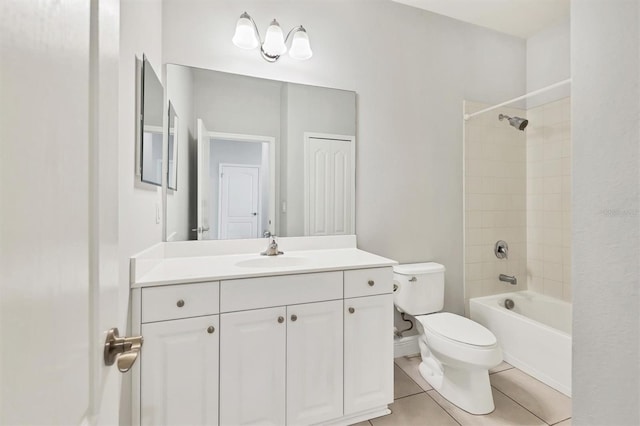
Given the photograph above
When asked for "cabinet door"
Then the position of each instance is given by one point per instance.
(179, 372)
(314, 362)
(252, 367)
(368, 352)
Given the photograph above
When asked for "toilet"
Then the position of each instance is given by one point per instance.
(456, 352)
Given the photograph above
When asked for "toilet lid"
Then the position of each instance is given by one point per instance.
(458, 328)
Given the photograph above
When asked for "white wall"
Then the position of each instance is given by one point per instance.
(140, 32)
(411, 70)
(605, 51)
(549, 61)
(179, 87)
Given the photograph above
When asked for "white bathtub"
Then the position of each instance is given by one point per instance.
(535, 335)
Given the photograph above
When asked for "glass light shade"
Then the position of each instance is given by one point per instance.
(274, 40)
(300, 47)
(245, 36)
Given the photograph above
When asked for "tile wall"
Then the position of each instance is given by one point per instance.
(517, 188)
(549, 199)
(495, 202)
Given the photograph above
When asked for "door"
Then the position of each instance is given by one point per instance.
(239, 201)
(252, 367)
(204, 191)
(368, 355)
(58, 212)
(179, 375)
(329, 187)
(314, 362)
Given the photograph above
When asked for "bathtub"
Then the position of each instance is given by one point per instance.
(535, 335)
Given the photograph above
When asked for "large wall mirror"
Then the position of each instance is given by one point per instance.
(260, 157)
(151, 116)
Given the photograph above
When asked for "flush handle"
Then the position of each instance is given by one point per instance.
(124, 350)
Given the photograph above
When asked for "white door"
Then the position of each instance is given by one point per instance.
(239, 201)
(252, 367)
(58, 212)
(204, 180)
(179, 375)
(314, 362)
(329, 194)
(368, 355)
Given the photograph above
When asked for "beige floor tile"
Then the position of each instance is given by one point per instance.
(410, 366)
(415, 410)
(503, 366)
(365, 423)
(542, 400)
(507, 412)
(564, 423)
(403, 385)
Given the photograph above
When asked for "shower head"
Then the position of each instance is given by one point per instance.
(517, 122)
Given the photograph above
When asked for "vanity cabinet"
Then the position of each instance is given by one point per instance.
(252, 367)
(296, 349)
(368, 352)
(179, 372)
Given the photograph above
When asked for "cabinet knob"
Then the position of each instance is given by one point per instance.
(211, 329)
(371, 283)
(280, 320)
(294, 317)
(180, 303)
(352, 310)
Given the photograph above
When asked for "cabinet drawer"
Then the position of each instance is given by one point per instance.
(367, 282)
(264, 292)
(180, 301)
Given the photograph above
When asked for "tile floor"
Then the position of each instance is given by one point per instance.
(519, 398)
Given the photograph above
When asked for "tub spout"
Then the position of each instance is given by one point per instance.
(508, 279)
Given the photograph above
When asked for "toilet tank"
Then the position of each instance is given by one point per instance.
(419, 288)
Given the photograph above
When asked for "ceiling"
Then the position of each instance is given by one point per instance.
(521, 18)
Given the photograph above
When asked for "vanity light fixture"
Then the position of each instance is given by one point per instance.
(274, 45)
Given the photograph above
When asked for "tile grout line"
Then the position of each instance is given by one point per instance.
(443, 409)
(563, 420)
(407, 396)
(506, 369)
(532, 413)
(417, 384)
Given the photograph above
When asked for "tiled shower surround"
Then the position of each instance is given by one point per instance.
(517, 189)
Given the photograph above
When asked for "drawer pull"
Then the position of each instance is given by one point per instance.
(180, 303)
(371, 283)
(352, 310)
(211, 329)
(280, 320)
(294, 317)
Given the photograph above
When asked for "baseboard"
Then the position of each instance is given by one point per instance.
(405, 346)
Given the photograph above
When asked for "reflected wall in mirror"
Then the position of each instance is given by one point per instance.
(151, 115)
(172, 149)
(260, 156)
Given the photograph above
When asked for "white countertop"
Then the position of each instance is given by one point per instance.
(178, 270)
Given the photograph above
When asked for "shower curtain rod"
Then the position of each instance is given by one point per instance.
(519, 98)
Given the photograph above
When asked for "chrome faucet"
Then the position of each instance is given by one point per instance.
(511, 279)
(272, 248)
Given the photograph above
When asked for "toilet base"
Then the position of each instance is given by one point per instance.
(468, 389)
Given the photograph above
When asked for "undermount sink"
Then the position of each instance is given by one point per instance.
(273, 262)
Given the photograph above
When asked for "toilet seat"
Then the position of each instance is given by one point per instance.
(458, 329)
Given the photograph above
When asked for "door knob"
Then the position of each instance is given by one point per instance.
(123, 349)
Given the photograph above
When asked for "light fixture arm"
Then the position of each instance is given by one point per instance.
(267, 57)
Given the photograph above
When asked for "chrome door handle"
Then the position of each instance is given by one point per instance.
(123, 349)
(200, 229)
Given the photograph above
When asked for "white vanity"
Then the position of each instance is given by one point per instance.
(297, 339)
